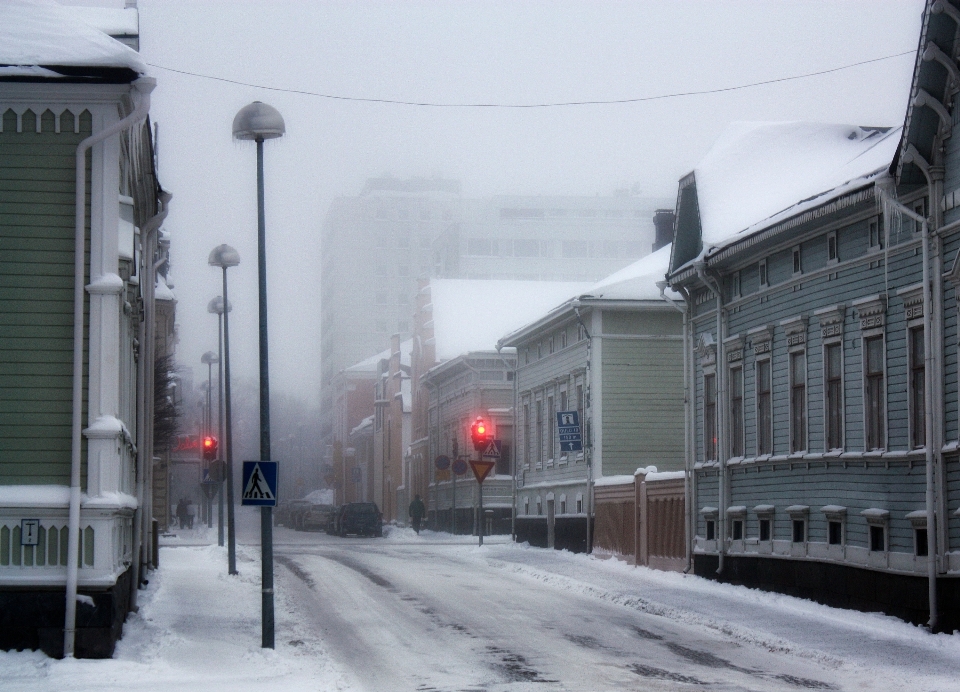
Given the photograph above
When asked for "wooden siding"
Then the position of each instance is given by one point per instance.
(642, 404)
(36, 296)
(894, 486)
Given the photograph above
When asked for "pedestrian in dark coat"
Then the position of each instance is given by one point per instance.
(416, 511)
(182, 512)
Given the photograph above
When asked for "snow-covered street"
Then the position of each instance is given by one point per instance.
(437, 612)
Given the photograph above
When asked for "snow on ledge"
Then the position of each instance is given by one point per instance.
(613, 480)
(42, 496)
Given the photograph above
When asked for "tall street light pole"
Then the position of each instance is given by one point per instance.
(224, 256)
(258, 122)
(216, 306)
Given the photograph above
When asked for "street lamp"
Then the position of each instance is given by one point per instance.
(224, 256)
(215, 306)
(258, 122)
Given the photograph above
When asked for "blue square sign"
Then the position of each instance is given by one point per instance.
(259, 484)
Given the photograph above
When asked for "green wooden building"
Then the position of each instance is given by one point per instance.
(77, 182)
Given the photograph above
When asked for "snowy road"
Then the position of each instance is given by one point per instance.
(409, 613)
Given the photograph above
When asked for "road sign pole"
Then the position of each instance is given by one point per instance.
(481, 518)
(453, 512)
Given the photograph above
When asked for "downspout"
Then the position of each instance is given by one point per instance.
(147, 236)
(588, 397)
(513, 442)
(687, 462)
(930, 494)
(721, 417)
(144, 85)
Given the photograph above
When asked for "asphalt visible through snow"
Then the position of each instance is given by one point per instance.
(440, 615)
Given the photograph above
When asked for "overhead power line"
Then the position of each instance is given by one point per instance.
(557, 104)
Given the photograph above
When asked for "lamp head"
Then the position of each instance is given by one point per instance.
(215, 306)
(223, 256)
(258, 121)
(209, 358)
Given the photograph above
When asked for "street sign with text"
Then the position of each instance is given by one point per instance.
(568, 427)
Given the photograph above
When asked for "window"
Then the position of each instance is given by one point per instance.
(563, 506)
(833, 391)
(920, 542)
(736, 529)
(874, 385)
(799, 530)
(526, 506)
(835, 533)
(764, 529)
(797, 267)
(762, 271)
(539, 350)
(579, 504)
(551, 422)
(539, 507)
(736, 412)
(539, 437)
(709, 417)
(878, 538)
(711, 530)
(563, 338)
(798, 401)
(876, 237)
(920, 208)
(764, 408)
(581, 333)
(832, 247)
(551, 344)
(917, 385)
(527, 433)
(735, 285)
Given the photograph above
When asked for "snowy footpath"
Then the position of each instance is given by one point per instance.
(199, 629)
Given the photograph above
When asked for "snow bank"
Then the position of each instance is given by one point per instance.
(637, 281)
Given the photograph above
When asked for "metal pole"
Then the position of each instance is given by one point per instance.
(266, 513)
(453, 511)
(220, 421)
(481, 517)
(228, 438)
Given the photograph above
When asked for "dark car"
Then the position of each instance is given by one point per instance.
(360, 518)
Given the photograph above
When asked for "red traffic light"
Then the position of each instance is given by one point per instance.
(479, 433)
(210, 446)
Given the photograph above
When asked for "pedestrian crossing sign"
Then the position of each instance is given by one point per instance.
(259, 484)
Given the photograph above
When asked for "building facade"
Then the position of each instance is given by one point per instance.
(823, 337)
(613, 354)
(75, 451)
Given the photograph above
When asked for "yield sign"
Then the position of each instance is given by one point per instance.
(481, 469)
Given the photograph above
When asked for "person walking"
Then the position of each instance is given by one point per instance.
(191, 513)
(416, 511)
(182, 513)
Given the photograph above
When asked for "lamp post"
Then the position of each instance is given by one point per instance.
(216, 306)
(209, 358)
(258, 122)
(224, 256)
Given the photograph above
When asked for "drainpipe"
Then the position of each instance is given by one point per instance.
(144, 86)
(711, 285)
(513, 442)
(682, 307)
(588, 397)
(930, 495)
(148, 236)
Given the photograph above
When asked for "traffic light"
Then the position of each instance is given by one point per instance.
(480, 434)
(210, 445)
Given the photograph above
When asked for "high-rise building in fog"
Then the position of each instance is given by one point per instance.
(374, 247)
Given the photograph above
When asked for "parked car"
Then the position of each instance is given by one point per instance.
(288, 513)
(318, 517)
(360, 518)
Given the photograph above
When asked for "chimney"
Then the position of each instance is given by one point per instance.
(663, 221)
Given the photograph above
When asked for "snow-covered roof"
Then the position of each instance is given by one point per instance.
(759, 173)
(42, 33)
(163, 291)
(370, 364)
(637, 281)
(110, 20)
(472, 315)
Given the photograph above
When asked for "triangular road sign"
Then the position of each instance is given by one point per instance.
(257, 488)
(481, 469)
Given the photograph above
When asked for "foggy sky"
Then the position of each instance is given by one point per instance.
(449, 52)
